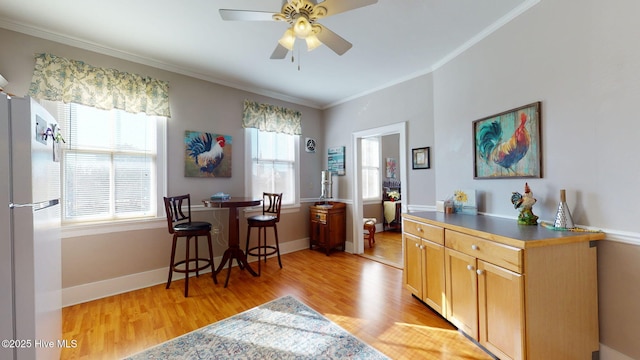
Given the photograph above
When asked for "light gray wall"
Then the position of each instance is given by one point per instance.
(410, 102)
(580, 59)
(585, 74)
(195, 105)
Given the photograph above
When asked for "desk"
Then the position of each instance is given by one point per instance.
(233, 251)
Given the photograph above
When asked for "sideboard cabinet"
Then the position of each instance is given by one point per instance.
(520, 291)
(328, 226)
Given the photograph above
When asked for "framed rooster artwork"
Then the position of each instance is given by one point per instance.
(207, 154)
(507, 145)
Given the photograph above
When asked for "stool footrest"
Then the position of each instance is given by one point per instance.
(207, 263)
(253, 251)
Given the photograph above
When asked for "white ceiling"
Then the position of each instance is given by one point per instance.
(393, 40)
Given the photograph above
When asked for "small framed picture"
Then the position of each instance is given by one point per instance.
(420, 158)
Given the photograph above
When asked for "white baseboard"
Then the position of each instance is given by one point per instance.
(96, 290)
(607, 353)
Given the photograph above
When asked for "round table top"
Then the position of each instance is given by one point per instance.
(232, 202)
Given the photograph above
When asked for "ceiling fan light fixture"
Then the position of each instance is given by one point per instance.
(288, 39)
(312, 42)
(302, 27)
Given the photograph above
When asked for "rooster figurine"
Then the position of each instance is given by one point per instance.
(206, 153)
(505, 154)
(525, 203)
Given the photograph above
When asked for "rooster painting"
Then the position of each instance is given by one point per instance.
(204, 155)
(499, 156)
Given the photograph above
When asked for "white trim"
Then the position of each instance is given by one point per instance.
(105, 50)
(607, 353)
(485, 33)
(452, 55)
(69, 231)
(100, 289)
(397, 128)
(101, 49)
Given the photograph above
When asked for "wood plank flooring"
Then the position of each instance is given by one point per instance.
(387, 248)
(365, 297)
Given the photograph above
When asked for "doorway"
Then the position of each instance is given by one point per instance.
(400, 129)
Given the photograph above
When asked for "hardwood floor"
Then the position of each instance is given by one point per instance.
(365, 297)
(387, 248)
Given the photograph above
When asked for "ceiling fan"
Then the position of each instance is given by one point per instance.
(302, 16)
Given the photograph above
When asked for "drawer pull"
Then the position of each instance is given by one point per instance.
(479, 272)
(470, 267)
(419, 229)
(474, 247)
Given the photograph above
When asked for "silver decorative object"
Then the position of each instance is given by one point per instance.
(326, 185)
(563, 216)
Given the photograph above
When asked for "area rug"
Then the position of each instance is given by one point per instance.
(284, 328)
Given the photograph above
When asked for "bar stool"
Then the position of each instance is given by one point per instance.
(180, 225)
(269, 218)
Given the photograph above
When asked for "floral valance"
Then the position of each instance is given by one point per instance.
(271, 118)
(59, 79)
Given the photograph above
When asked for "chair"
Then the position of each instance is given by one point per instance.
(269, 218)
(370, 230)
(180, 225)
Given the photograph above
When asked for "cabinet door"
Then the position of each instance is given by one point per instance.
(337, 229)
(462, 291)
(314, 232)
(433, 288)
(501, 311)
(412, 264)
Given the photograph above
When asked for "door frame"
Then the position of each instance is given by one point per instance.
(397, 128)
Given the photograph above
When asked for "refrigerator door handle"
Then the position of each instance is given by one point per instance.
(36, 206)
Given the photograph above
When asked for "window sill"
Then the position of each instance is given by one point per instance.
(69, 231)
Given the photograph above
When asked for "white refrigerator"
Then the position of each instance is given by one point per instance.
(30, 252)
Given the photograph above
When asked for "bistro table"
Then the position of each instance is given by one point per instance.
(233, 251)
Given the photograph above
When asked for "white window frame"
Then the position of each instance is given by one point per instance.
(149, 221)
(249, 165)
(377, 189)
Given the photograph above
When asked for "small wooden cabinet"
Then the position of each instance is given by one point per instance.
(328, 226)
(520, 291)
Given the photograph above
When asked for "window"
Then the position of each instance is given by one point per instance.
(273, 165)
(110, 164)
(371, 182)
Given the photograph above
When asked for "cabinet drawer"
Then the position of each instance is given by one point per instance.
(425, 231)
(504, 256)
(319, 217)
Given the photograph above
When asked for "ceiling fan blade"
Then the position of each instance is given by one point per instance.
(279, 52)
(339, 6)
(246, 15)
(333, 40)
